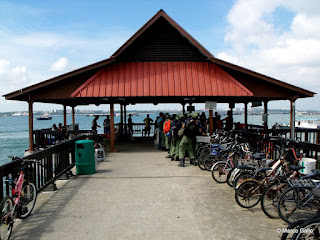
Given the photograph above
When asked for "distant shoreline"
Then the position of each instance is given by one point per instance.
(257, 111)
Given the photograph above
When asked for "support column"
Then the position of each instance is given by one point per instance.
(30, 126)
(112, 149)
(246, 115)
(211, 122)
(121, 120)
(64, 115)
(183, 108)
(265, 104)
(292, 118)
(73, 118)
(125, 119)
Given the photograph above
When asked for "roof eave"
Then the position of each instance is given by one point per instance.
(26, 90)
(261, 76)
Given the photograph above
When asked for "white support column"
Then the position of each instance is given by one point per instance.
(292, 118)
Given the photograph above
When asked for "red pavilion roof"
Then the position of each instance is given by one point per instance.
(141, 79)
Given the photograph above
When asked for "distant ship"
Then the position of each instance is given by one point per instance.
(44, 117)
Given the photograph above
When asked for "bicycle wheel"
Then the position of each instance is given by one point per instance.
(242, 176)
(28, 200)
(248, 194)
(208, 162)
(219, 172)
(201, 159)
(296, 204)
(6, 219)
(270, 197)
(290, 230)
(229, 178)
(309, 229)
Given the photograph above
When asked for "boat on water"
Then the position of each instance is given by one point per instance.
(300, 123)
(44, 117)
(307, 123)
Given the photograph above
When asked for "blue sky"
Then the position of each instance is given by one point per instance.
(43, 39)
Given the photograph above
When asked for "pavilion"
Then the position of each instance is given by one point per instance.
(160, 63)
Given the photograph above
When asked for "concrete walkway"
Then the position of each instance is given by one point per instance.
(139, 194)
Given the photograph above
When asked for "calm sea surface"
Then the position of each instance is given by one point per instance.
(14, 130)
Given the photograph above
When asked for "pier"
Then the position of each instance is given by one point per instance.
(139, 194)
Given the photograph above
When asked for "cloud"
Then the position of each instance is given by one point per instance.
(60, 65)
(291, 54)
(12, 77)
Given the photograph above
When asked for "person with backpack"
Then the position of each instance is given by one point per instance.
(166, 132)
(188, 140)
(160, 123)
(175, 140)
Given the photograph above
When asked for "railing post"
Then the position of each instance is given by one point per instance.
(30, 126)
(292, 118)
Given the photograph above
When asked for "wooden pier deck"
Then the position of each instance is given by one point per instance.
(139, 194)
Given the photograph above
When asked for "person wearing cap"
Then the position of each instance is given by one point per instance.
(187, 141)
(166, 132)
(160, 122)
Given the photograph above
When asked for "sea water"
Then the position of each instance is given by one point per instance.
(14, 130)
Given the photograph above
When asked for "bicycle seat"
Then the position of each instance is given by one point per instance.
(246, 167)
(316, 171)
(259, 156)
(265, 169)
(295, 168)
(316, 192)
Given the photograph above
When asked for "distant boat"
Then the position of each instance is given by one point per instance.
(307, 123)
(17, 114)
(44, 117)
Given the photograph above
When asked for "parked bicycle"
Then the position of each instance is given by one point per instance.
(20, 204)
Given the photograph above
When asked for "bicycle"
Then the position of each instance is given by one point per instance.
(20, 204)
(297, 202)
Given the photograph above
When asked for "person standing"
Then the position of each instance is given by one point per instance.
(229, 121)
(159, 123)
(94, 127)
(175, 140)
(147, 122)
(187, 141)
(95, 124)
(106, 125)
(166, 132)
(130, 127)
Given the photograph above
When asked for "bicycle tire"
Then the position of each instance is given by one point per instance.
(308, 229)
(229, 178)
(208, 162)
(6, 218)
(290, 230)
(28, 200)
(244, 193)
(242, 176)
(218, 174)
(270, 197)
(288, 208)
(204, 152)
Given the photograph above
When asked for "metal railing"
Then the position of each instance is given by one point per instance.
(53, 163)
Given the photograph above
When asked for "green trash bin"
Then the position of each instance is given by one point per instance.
(85, 161)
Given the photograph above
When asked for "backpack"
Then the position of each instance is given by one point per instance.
(166, 126)
(174, 130)
(191, 129)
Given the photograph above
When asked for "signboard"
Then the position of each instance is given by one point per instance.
(211, 105)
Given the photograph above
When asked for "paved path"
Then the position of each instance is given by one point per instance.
(139, 194)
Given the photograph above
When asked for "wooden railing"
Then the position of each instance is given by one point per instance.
(267, 144)
(138, 128)
(53, 163)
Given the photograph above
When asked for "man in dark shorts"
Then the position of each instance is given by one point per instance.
(147, 121)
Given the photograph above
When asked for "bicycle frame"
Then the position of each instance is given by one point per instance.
(16, 191)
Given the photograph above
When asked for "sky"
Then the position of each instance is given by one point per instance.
(43, 39)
